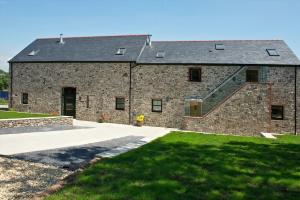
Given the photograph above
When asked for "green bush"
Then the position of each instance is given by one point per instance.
(3, 102)
(3, 80)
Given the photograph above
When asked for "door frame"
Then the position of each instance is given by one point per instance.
(63, 105)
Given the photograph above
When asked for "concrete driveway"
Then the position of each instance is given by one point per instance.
(36, 158)
(70, 147)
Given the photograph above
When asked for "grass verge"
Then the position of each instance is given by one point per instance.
(195, 166)
(13, 114)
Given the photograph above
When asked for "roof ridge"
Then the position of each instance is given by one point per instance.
(129, 35)
(213, 40)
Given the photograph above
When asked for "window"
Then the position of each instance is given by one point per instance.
(160, 54)
(156, 105)
(277, 112)
(120, 103)
(121, 51)
(252, 75)
(33, 53)
(272, 52)
(219, 47)
(195, 75)
(24, 98)
(193, 108)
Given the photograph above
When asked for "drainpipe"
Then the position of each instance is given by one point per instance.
(130, 85)
(295, 96)
(270, 106)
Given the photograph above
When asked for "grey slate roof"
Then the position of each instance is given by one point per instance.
(104, 48)
(99, 48)
(235, 52)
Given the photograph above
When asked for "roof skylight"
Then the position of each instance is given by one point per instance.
(219, 46)
(33, 53)
(272, 52)
(121, 51)
(160, 54)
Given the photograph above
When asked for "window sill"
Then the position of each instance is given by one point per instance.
(195, 81)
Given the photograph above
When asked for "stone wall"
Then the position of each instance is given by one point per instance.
(102, 82)
(298, 99)
(247, 112)
(283, 93)
(171, 84)
(36, 122)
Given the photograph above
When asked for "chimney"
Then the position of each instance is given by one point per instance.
(148, 42)
(61, 39)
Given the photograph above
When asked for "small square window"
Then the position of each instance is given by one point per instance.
(121, 51)
(277, 112)
(219, 46)
(252, 75)
(156, 105)
(195, 75)
(160, 54)
(120, 103)
(24, 98)
(272, 52)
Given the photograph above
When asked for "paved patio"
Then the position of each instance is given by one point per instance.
(36, 158)
(83, 133)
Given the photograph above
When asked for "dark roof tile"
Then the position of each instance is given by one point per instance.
(204, 52)
(99, 48)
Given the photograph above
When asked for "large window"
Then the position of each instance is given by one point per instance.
(252, 75)
(120, 103)
(193, 107)
(24, 98)
(277, 112)
(195, 74)
(156, 105)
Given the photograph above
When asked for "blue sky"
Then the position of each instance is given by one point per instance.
(21, 21)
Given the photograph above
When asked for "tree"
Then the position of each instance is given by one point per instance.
(3, 80)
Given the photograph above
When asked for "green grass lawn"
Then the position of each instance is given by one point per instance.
(195, 166)
(12, 114)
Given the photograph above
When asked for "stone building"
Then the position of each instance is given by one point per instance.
(231, 86)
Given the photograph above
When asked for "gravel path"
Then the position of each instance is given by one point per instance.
(22, 179)
(24, 175)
